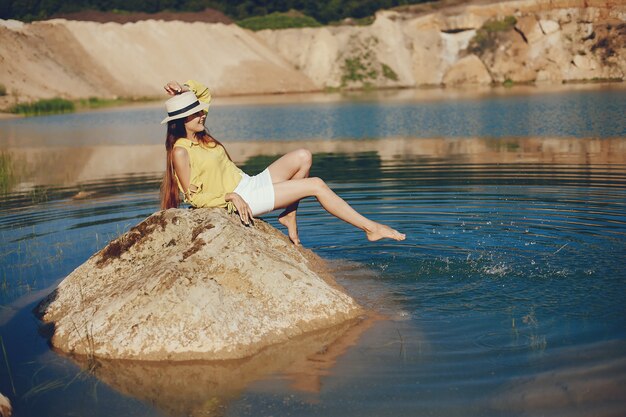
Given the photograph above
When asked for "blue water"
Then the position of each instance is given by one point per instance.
(597, 113)
(506, 298)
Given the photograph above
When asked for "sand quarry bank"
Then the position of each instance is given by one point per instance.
(529, 41)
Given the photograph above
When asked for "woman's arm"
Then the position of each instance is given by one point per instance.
(244, 210)
(180, 158)
(200, 90)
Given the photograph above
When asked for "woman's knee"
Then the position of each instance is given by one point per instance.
(305, 158)
(318, 184)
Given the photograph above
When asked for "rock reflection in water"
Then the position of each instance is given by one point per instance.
(68, 167)
(205, 388)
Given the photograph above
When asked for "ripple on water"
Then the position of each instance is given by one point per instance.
(508, 271)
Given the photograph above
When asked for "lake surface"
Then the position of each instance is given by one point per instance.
(506, 299)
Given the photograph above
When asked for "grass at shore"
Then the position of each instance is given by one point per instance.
(44, 106)
(60, 105)
(98, 103)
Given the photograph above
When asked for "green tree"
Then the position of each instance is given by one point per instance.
(324, 12)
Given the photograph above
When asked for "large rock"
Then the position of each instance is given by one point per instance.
(193, 284)
(549, 27)
(529, 27)
(468, 70)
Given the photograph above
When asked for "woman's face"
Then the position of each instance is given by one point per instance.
(194, 123)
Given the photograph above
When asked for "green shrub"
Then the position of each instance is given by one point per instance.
(361, 67)
(353, 70)
(45, 106)
(365, 21)
(503, 25)
(389, 73)
(485, 37)
(278, 21)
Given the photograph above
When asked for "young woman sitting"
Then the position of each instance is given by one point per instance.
(199, 167)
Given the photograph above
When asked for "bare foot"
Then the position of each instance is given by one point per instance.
(290, 222)
(380, 231)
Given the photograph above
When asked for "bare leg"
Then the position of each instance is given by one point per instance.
(286, 192)
(293, 165)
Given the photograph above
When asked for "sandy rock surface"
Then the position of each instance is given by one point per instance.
(193, 284)
(433, 48)
(468, 70)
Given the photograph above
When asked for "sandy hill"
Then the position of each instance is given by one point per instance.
(535, 41)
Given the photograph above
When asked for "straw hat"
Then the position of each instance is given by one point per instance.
(182, 105)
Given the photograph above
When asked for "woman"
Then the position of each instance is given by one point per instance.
(199, 166)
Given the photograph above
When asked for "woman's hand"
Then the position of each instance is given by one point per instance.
(244, 210)
(173, 88)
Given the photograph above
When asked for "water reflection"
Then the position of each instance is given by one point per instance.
(206, 388)
(90, 169)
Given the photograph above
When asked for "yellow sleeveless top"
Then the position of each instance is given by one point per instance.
(212, 173)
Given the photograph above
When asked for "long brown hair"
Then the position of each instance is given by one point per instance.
(170, 196)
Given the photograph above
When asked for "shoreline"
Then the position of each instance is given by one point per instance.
(417, 94)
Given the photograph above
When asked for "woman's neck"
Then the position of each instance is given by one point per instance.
(193, 136)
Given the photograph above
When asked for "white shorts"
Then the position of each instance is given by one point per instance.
(257, 191)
